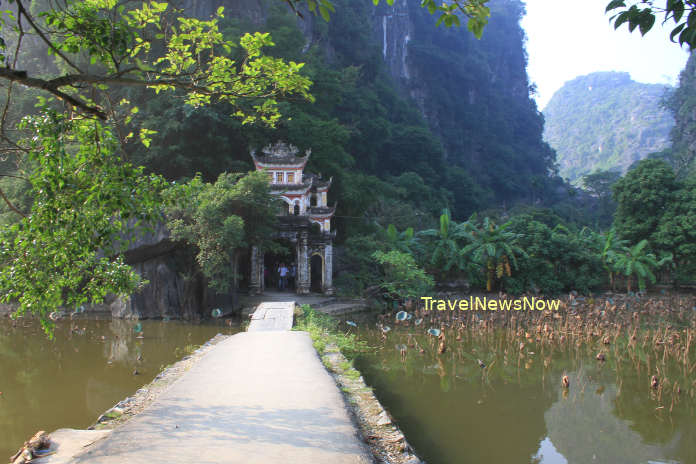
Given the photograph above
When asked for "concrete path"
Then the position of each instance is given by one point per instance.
(257, 397)
(276, 315)
(324, 303)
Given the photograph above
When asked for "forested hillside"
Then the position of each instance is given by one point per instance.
(416, 125)
(407, 118)
(606, 121)
(682, 104)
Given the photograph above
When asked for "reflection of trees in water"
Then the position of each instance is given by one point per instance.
(675, 432)
(67, 382)
(584, 428)
(450, 413)
(454, 411)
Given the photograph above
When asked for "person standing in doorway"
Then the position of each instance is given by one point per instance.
(283, 272)
(293, 274)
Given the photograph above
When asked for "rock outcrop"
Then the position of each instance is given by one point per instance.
(174, 288)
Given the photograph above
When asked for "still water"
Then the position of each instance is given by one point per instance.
(516, 411)
(71, 380)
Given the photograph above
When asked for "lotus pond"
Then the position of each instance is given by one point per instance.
(475, 387)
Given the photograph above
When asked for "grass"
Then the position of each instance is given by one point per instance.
(112, 415)
(324, 332)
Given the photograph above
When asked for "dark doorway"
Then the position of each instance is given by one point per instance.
(243, 269)
(278, 268)
(317, 265)
(297, 209)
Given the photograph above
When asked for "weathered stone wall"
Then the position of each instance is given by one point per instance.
(175, 288)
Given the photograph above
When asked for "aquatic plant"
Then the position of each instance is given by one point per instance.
(628, 334)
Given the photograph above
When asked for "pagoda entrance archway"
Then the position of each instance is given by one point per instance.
(272, 264)
(317, 273)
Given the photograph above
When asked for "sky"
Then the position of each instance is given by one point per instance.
(571, 38)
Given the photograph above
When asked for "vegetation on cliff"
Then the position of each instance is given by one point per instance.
(606, 121)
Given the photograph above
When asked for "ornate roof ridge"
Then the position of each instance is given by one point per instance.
(280, 153)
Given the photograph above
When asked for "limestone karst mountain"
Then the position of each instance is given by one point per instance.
(606, 121)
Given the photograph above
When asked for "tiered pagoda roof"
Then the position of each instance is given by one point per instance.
(280, 154)
(322, 211)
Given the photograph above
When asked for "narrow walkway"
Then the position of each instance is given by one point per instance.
(258, 397)
(275, 315)
(324, 303)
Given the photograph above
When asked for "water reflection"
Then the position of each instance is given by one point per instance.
(482, 401)
(90, 366)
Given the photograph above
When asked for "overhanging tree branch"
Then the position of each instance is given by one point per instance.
(23, 12)
(22, 78)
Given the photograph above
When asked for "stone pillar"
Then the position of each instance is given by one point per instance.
(303, 274)
(256, 282)
(328, 270)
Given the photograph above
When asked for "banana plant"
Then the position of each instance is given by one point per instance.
(636, 262)
(400, 241)
(609, 253)
(445, 253)
(494, 249)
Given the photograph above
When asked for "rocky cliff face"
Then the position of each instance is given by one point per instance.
(393, 27)
(474, 94)
(174, 290)
(252, 10)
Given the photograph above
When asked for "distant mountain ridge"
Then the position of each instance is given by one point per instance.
(607, 121)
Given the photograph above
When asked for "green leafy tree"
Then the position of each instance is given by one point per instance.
(65, 250)
(221, 218)
(399, 241)
(450, 13)
(599, 184)
(557, 258)
(401, 276)
(641, 14)
(150, 45)
(642, 196)
(637, 262)
(494, 248)
(676, 232)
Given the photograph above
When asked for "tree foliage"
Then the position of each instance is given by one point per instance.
(450, 13)
(66, 250)
(642, 195)
(637, 262)
(494, 248)
(106, 43)
(221, 218)
(444, 255)
(402, 278)
(642, 14)
(86, 196)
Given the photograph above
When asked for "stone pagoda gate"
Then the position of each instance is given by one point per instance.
(304, 219)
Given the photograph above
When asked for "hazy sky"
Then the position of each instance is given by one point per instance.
(570, 38)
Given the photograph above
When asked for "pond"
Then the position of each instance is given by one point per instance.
(515, 409)
(87, 368)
